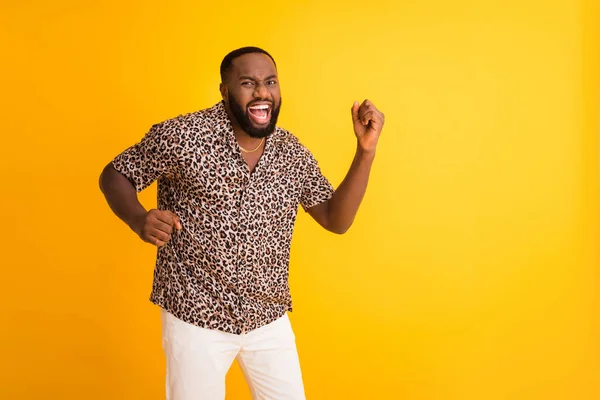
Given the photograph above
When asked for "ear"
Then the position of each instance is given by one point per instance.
(223, 90)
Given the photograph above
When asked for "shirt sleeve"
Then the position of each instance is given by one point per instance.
(316, 187)
(155, 156)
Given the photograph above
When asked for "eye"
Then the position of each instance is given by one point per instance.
(272, 82)
(247, 83)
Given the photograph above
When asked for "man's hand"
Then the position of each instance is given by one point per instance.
(368, 123)
(156, 226)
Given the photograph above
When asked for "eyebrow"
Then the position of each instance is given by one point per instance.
(252, 79)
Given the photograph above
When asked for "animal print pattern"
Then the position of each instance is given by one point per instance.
(227, 269)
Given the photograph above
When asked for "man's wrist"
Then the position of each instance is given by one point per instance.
(364, 154)
(136, 221)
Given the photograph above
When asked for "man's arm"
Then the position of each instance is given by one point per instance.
(154, 226)
(121, 196)
(337, 214)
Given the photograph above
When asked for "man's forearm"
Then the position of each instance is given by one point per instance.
(121, 197)
(344, 204)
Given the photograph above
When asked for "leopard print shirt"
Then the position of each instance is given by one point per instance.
(227, 269)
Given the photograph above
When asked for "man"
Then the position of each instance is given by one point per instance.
(229, 186)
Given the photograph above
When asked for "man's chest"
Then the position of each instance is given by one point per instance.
(222, 181)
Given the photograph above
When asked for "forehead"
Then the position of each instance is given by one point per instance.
(256, 65)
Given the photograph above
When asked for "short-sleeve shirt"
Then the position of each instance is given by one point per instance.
(227, 269)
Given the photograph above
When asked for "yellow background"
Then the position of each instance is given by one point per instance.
(471, 272)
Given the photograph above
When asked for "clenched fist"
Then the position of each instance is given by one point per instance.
(368, 122)
(156, 226)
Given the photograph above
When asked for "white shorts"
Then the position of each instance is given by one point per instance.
(198, 359)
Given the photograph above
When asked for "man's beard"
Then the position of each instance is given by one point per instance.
(241, 115)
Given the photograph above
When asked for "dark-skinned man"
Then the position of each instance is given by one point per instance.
(229, 185)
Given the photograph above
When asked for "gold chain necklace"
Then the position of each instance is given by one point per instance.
(252, 151)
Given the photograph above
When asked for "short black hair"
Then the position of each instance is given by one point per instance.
(228, 60)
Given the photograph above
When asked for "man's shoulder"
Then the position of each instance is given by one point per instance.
(290, 142)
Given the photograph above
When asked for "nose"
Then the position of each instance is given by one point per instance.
(260, 91)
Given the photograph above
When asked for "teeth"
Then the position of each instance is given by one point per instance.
(260, 107)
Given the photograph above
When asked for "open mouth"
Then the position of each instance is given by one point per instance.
(260, 113)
